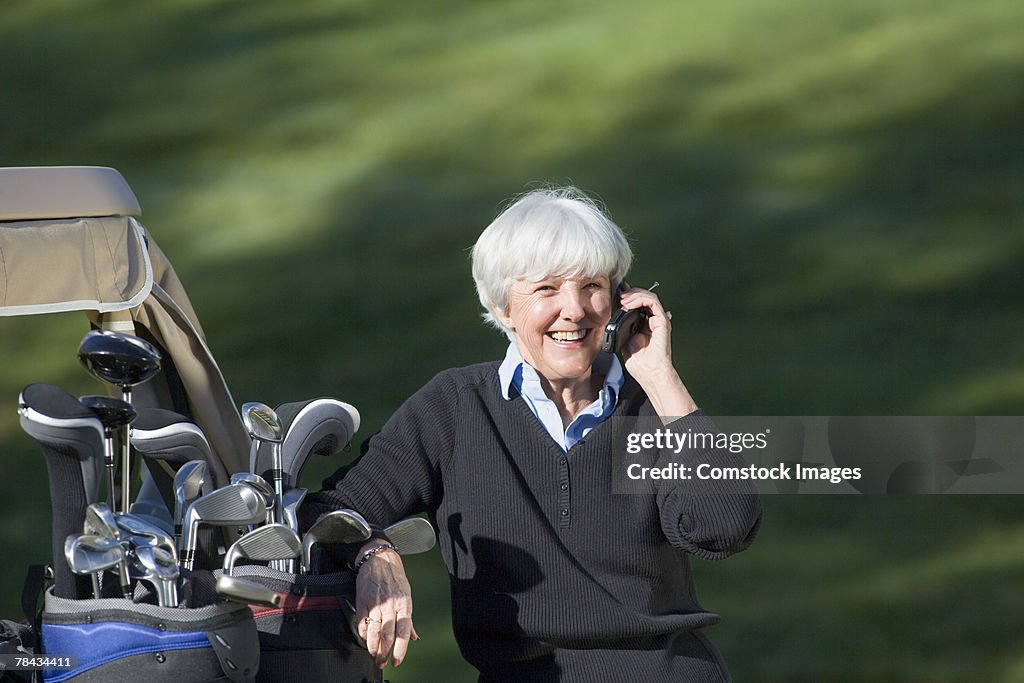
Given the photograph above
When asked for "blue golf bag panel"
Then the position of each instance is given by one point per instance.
(110, 639)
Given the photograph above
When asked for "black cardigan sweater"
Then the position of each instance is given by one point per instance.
(554, 578)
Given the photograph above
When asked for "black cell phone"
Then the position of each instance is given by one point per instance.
(623, 325)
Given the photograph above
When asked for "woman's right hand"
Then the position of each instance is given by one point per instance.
(384, 606)
(648, 357)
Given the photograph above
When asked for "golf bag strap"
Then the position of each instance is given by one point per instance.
(31, 590)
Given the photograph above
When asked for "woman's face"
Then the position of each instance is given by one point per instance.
(559, 323)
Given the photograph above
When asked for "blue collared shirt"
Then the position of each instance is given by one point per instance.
(514, 373)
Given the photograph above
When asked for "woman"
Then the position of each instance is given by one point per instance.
(554, 578)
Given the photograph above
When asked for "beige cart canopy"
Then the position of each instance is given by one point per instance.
(70, 240)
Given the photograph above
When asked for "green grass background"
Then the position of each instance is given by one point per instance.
(829, 192)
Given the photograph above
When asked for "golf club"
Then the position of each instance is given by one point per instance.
(189, 481)
(270, 542)
(143, 533)
(263, 425)
(156, 566)
(114, 414)
(91, 554)
(100, 521)
(336, 526)
(232, 505)
(292, 500)
(124, 361)
(411, 536)
(260, 485)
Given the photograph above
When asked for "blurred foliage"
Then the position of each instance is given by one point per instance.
(829, 193)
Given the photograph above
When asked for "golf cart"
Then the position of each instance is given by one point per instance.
(176, 548)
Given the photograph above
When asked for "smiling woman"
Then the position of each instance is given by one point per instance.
(553, 577)
(557, 325)
(547, 234)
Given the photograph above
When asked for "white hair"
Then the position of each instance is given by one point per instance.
(552, 232)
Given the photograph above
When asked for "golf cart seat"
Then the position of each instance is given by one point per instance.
(80, 226)
(52, 192)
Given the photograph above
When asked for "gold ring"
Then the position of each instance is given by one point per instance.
(370, 620)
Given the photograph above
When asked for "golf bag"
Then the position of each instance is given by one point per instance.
(80, 226)
(110, 639)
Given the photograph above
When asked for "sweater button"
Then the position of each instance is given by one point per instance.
(565, 512)
(564, 487)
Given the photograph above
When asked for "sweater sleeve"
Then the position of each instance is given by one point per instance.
(398, 472)
(711, 519)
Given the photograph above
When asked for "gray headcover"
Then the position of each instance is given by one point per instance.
(170, 436)
(322, 426)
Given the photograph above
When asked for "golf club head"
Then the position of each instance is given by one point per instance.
(158, 560)
(133, 542)
(112, 412)
(231, 505)
(336, 526)
(117, 358)
(101, 521)
(411, 536)
(249, 592)
(259, 484)
(89, 553)
(143, 532)
(264, 425)
(262, 422)
(159, 568)
(270, 542)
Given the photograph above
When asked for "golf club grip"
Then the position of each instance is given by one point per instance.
(68, 500)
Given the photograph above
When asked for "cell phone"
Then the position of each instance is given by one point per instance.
(623, 325)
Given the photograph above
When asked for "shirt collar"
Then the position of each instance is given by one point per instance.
(510, 373)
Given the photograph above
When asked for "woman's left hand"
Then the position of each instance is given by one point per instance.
(648, 356)
(384, 607)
